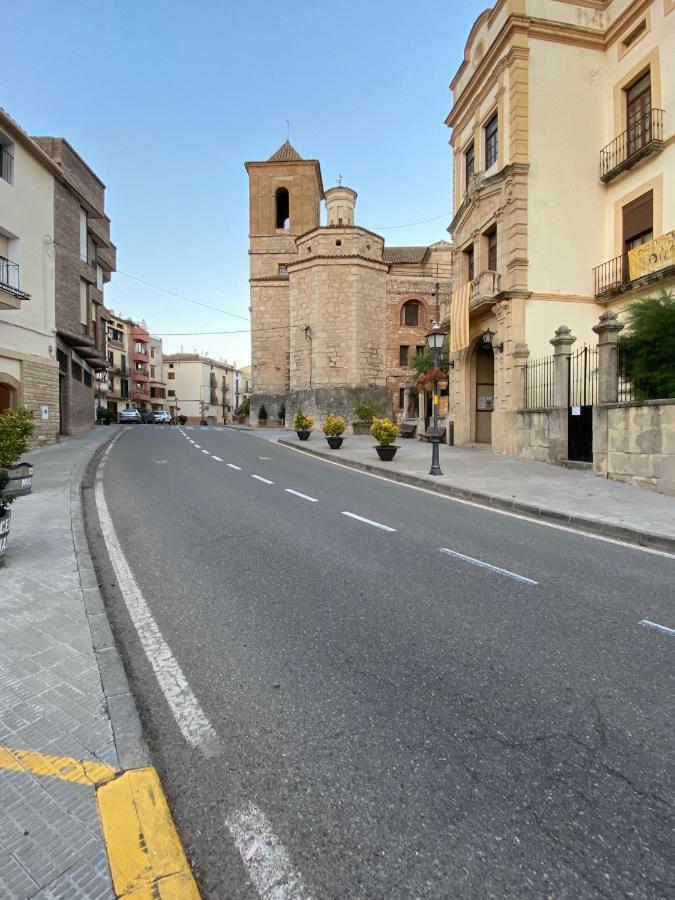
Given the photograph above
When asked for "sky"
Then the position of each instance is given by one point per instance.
(167, 100)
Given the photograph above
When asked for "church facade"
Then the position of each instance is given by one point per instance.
(336, 316)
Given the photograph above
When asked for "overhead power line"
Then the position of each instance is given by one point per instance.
(411, 224)
(158, 287)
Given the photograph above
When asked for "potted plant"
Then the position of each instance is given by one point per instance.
(334, 428)
(16, 426)
(262, 416)
(302, 425)
(5, 514)
(182, 420)
(385, 433)
(365, 410)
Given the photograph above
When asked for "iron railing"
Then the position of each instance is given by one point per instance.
(583, 376)
(614, 275)
(644, 134)
(9, 273)
(6, 165)
(539, 382)
(625, 392)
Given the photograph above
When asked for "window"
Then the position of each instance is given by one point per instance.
(76, 370)
(152, 371)
(170, 375)
(62, 360)
(171, 393)
(140, 347)
(469, 161)
(282, 209)
(84, 306)
(419, 349)
(99, 278)
(638, 221)
(91, 252)
(403, 355)
(152, 352)
(87, 378)
(468, 254)
(83, 234)
(171, 365)
(637, 32)
(491, 141)
(401, 397)
(282, 269)
(110, 359)
(410, 313)
(639, 113)
(6, 160)
(492, 249)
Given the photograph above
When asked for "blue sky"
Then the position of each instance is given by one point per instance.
(166, 100)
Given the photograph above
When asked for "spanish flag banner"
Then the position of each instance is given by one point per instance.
(459, 318)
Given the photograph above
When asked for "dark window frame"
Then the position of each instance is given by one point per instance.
(491, 236)
(469, 163)
(491, 131)
(403, 355)
(407, 307)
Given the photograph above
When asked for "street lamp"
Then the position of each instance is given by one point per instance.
(435, 340)
(487, 338)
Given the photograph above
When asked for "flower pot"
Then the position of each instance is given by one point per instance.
(304, 434)
(334, 442)
(442, 385)
(5, 522)
(20, 480)
(386, 453)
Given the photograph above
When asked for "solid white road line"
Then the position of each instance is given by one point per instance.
(205, 451)
(195, 727)
(484, 565)
(260, 478)
(368, 521)
(648, 624)
(216, 457)
(232, 466)
(304, 496)
(265, 858)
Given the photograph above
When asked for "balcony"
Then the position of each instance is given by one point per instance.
(646, 264)
(10, 294)
(643, 138)
(6, 165)
(116, 337)
(485, 289)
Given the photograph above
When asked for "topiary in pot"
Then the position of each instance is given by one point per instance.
(16, 426)
(262, 415)
(302, 425)
(334, 428)
(182, 420)
(385, 433)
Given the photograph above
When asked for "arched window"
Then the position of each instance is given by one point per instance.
(8, 395)
(410, 313)
(282, 212)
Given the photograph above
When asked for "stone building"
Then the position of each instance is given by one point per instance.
(335, 315)
(564, 169)
(200, 388)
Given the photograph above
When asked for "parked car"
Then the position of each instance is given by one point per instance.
(161, 417)
(130, 415)
(146, 415)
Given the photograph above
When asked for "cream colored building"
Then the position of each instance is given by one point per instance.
(201, 388)
(29, 374)
(564, 162)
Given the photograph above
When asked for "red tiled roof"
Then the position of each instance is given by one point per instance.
(285, 153)
(397, 255)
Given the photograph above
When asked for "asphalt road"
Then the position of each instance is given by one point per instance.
(391, 720)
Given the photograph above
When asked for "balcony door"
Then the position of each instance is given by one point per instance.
(639, 114)
(638, 226)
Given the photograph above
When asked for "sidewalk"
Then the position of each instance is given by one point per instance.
(563, 496)
(68, 724)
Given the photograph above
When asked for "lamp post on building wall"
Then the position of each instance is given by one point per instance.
(435, 340)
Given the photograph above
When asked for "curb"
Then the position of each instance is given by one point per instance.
(132, 750)
(650, 540)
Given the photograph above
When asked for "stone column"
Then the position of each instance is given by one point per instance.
(406, 402)
(521, 353)
(558, 430)
(607, 330)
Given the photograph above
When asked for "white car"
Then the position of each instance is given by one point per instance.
(161, 417)
(130, 415)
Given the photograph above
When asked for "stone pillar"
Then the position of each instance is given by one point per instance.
(521, 353)
(607, 330)
(406, 402)
(421, 402)
(558, 430)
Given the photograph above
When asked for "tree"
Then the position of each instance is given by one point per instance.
(647, 347)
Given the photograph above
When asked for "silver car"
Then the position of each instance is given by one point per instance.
(129, 415)
(161, 417)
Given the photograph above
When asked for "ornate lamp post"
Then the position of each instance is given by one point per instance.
(435, 340)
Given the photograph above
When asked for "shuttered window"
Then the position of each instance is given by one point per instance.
(638, 221)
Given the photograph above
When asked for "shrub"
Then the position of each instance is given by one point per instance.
(182, 420)
(366, 410)
(301, 422)
(282, 412)
(648, 347)
(334, 426)
(5, 501)
(384, 431)
(262, 413)
(245, 406)
(16, 426)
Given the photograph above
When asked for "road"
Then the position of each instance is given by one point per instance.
(342, 702)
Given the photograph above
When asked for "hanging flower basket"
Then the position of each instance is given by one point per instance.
(426, 381)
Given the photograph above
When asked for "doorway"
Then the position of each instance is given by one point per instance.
(485, 394)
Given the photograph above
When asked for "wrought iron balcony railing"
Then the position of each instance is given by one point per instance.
(647, 263)
(642, 137)
(9, 279)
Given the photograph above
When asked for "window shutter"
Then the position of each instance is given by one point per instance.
(638, 216)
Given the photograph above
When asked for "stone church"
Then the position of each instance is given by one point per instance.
(336, 316)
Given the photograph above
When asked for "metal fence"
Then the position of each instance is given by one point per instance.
(539, 381)
(583, 376)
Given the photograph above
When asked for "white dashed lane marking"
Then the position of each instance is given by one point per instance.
(303, 496)
(647, 624)
(232, 466)
(485, 565)
(216, 457)
(368, 521)
(260, 478)
(206, 451)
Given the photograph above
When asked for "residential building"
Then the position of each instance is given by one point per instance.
(85, 258)
(139, 338)
(29, 374)
(157, 383)
(564, 185)
(201, 388)
(243, 390)
(336, 316)
(117, 393)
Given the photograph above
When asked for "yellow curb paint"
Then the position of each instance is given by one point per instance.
(146, 858)
(63, 767)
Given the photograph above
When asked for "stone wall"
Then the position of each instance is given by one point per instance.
(40, 387)
(533, 434)
(635, 443)
(324, 402)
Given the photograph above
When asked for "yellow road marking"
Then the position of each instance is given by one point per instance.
(147, 861)
(64, 767)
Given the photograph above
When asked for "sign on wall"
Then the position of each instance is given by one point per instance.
(652, 256)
